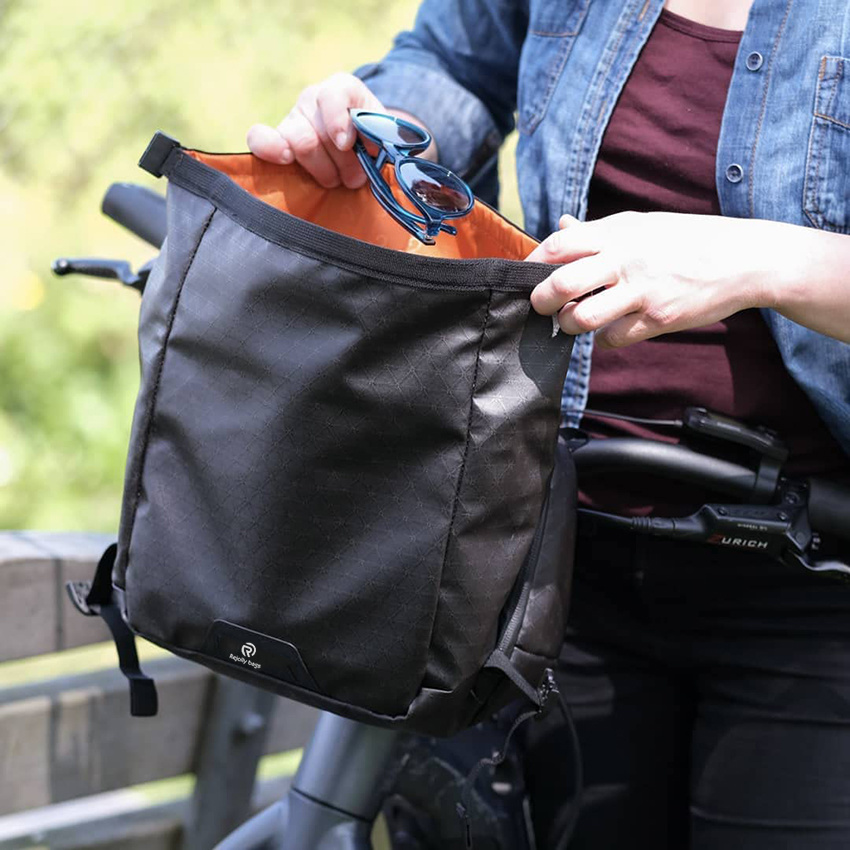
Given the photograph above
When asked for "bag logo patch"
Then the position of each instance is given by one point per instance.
(248, 651)
(238, 645)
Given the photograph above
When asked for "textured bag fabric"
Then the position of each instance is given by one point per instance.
(343, 448)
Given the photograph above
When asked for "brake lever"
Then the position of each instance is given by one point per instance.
(109, 269)
(833, 568)
(781, 531)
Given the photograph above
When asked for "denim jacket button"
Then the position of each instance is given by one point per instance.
(755, 60)
(734, 173)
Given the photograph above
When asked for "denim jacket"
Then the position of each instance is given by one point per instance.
(470, 69)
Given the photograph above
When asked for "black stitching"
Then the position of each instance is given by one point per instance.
(150, 410)
(468, 426)
(462, 465)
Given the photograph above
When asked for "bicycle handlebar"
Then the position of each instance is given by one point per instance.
(140, 210)
(828, 506)
(143, 212)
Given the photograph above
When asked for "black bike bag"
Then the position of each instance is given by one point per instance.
(344, 483)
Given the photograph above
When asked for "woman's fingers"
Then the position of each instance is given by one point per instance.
(598, 310)
(318, 132)
(573, 240)
(348, 169)
(335, 97)
(572, 281)
(631, 328)
(267, 143)
(332, 119)
(300, 132)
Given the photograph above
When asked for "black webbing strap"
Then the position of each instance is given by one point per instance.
(500, 661)
(99, 599)
(143, 699)
(100, 592)
(541, 698)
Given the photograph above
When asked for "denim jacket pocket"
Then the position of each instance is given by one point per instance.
(552, 29)
(826, 192)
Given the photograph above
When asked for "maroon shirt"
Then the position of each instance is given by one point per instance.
(658, 153)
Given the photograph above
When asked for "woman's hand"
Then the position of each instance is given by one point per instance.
(318, 132)
(632, 276)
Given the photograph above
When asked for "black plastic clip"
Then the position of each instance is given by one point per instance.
(79, 591)
(157, 152)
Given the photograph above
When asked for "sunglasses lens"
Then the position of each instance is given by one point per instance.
(435, 186)
(390, 130)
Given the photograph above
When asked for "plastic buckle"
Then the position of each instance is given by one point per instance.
(78, 591)
(157, 152)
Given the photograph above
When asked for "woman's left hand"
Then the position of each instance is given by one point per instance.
(632, 276)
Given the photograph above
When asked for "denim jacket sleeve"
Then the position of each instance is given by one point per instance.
(456, 71)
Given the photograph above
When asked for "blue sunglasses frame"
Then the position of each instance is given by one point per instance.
(432, 221)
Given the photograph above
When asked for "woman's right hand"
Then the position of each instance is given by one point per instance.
(318, 132)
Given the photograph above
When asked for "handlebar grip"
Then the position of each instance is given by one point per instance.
(139, 209)
(829, 508)
(668, 460)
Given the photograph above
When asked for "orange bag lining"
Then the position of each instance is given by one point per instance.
(356, 213)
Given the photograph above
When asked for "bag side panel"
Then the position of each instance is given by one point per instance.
(188, 216)
(304, 455)
(545, 618)
(512, 435)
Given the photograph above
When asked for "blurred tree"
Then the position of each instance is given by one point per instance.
(82, 87)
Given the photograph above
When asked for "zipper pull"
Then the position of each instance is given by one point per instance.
(547, 688)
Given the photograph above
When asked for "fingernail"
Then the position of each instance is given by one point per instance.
(286, 155)
(341, 139)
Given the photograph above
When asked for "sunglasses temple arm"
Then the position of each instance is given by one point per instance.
(372, 167)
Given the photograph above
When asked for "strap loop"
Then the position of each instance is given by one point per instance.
(98, 598)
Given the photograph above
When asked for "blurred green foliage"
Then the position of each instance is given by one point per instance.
(82, 87)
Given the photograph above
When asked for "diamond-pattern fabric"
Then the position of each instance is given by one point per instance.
(352, 464)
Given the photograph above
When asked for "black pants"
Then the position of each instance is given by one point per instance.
(711, 692)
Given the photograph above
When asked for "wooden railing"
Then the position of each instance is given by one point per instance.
(69, 750)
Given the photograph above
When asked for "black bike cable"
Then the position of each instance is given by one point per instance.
(578, 776)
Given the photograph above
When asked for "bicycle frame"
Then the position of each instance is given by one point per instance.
(333, 801)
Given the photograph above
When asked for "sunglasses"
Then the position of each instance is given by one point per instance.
(434, 191)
